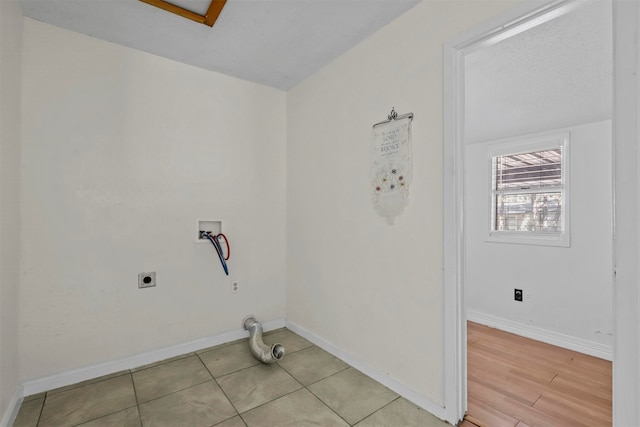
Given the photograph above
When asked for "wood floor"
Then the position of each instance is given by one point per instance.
(515, 381)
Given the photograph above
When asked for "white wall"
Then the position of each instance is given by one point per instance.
(10, 116)
(122, 152)
(555, 75)
(567, 290)
(373, 290)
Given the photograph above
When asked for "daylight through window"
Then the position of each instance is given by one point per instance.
(528, 192)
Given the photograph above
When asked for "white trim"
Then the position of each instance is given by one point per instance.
(528, 143)
(455, 332)
(514, 21)
(94, 371)
(12, 411)
(381, 377)
(558, 339)
(626, 135)
(510, 23)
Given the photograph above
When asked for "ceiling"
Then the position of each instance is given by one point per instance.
(555, 75)
(277, 43)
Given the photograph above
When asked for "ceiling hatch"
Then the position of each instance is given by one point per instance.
(206, 17)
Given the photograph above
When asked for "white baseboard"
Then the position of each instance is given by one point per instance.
(384, 379)
(12, 411)
(558, 339)
(82, 374)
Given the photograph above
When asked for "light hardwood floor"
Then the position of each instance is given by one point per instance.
(515, 381)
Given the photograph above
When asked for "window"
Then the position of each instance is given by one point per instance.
(529, 185)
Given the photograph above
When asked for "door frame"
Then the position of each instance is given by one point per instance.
(626, 123)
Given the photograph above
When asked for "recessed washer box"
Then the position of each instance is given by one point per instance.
(212, 225)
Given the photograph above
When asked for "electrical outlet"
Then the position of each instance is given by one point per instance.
(235, 287)
(517, 294)
(146, 280)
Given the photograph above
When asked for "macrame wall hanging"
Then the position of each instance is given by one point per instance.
(392, 165)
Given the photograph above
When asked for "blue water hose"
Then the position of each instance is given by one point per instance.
(216, 244)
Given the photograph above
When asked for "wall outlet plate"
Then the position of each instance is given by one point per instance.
(147, 280)
(517, 294)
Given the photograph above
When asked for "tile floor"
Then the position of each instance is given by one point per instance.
(226, 386)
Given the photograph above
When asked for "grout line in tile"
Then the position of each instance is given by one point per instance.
(336, 373)
(110, 413)
(294, 378)
(135, 394)
(327, 406)
(235, 372)
(275, 331)
(287, 353)
(128, 372)
(271, 401)
(220, 387)
(243, 420)
(297, 351)
(91, 381)
(161, 362)
(175, 391)
(227, 419)
(276, 398)
(219, 346)
(324, 403)
(34, 396)
(42, 408)
(317, 381)
(285, 369)
(197, 354)
(329, 376)
(377, 410)
(224, 421)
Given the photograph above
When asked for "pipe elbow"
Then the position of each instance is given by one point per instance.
(261, 351)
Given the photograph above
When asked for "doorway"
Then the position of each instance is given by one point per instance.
(538, 182)
(526, 17)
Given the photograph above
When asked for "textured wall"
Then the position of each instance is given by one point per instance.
(122, 152)
(371, 289)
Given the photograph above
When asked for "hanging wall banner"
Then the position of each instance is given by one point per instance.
(392, 165)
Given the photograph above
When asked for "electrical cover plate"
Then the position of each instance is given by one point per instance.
(146, 280)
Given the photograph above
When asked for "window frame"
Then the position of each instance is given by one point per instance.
(526, 144)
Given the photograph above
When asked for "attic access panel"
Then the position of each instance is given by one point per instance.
(209, 18)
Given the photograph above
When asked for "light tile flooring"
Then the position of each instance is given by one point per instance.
(226, 386)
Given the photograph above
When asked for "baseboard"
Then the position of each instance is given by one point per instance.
(82, 374)
(12, 411)
(558, 339)
(381, 377)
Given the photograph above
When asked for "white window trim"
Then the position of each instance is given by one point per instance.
(528, 143)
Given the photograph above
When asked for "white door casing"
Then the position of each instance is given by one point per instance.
(626, 17)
